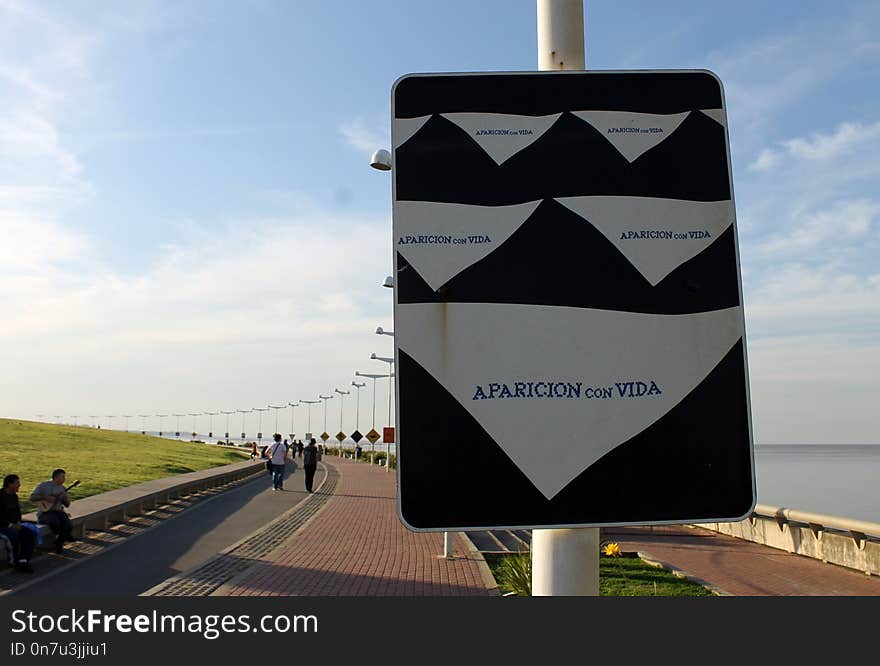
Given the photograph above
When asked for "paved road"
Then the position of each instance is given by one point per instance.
(178, 544)
(356, 546)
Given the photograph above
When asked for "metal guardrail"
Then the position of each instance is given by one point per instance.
(858, 529)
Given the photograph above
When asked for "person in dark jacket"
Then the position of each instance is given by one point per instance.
(20, 537)
(310, 463)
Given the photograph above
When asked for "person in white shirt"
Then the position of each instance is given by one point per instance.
(278, 455)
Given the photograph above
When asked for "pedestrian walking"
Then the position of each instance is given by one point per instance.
(278, 457)
(253, 450)
(310, 463)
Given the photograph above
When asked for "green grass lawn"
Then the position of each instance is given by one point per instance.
(102, 459)
(618, 577)
(632, 577)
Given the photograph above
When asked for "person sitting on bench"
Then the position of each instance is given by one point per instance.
(51, 498)
(20, 538)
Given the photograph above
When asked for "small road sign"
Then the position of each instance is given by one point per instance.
(373, 436)
(340, 436)
(357, 436)
(325, 436)
(388, 435)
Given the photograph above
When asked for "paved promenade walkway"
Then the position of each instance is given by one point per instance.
(742, 568)
(355, 545)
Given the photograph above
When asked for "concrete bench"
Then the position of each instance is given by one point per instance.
(98, 511)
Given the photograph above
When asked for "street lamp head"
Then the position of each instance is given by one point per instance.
(380, 330)
(389, 282)
(381, 160)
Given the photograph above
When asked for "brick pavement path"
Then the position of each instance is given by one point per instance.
(740, 567)
(356, 546)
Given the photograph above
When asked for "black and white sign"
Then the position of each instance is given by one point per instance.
(568, 311)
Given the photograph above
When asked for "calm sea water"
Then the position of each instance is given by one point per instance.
(839, 480)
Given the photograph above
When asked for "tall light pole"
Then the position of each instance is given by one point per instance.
(75, 417)
(293, 406)
(211, 416)
(243, 412)
(357, 418)
(126, 417)
(342, 395)
(143, 418)
(177, 427)
(260, 427)
(325, 398)
(390, 362)
(309, 424)
(161, 416)
(374, 377)
(194, 432)
(227, 422)
(276, 414)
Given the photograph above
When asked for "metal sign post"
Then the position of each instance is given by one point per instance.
(564, 562)
(567, 295)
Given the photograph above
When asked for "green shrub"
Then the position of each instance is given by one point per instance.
(513, 572)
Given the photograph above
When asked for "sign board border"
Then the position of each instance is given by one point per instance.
(400, 435)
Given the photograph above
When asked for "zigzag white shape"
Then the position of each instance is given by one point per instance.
(633, 134)
(442, 239)
(502, 135)
(553, 439)
(680, 229)
(402, 129)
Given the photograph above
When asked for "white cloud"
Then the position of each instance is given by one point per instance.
(45, 80)
(27, 139)
(279, 308)
(804, 299)
(32, 244)
(358, 134)
(767, 159)
(819, 147)
(837, 227)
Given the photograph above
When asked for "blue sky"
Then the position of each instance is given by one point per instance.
(188, 221)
